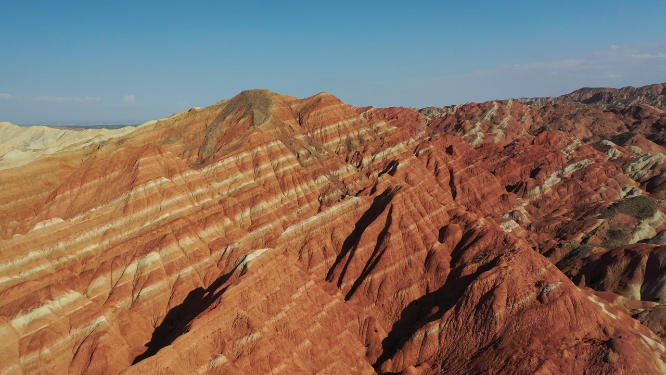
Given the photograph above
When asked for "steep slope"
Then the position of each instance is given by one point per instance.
(270, 234)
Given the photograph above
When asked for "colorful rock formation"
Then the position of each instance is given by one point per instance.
(269, 234)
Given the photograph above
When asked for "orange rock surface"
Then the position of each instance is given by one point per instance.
(270, 234)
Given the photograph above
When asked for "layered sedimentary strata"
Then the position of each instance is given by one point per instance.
(270, 234)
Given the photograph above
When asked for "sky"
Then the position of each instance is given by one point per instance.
(133, 61)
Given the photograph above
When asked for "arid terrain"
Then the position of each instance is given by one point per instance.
(267, 234)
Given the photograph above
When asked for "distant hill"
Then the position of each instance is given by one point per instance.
(20, 145)
(85, 126)
(608, 98)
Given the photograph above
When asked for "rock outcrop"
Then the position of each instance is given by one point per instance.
(270, 234)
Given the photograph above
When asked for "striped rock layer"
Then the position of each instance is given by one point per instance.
(268, 234)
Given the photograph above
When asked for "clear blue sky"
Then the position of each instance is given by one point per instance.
(90, 61)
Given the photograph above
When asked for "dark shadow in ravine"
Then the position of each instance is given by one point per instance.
(390, 169)
(178, 319)
(380, 249)
(418, 312)
(378, 206)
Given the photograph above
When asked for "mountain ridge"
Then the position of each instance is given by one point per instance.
(268, 233)
(608, 98)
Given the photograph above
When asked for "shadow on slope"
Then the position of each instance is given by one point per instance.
(178, 319)
(420, 311)
(377, 207)
(377, 253)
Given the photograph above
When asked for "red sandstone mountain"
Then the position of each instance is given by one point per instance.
(269, 234)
